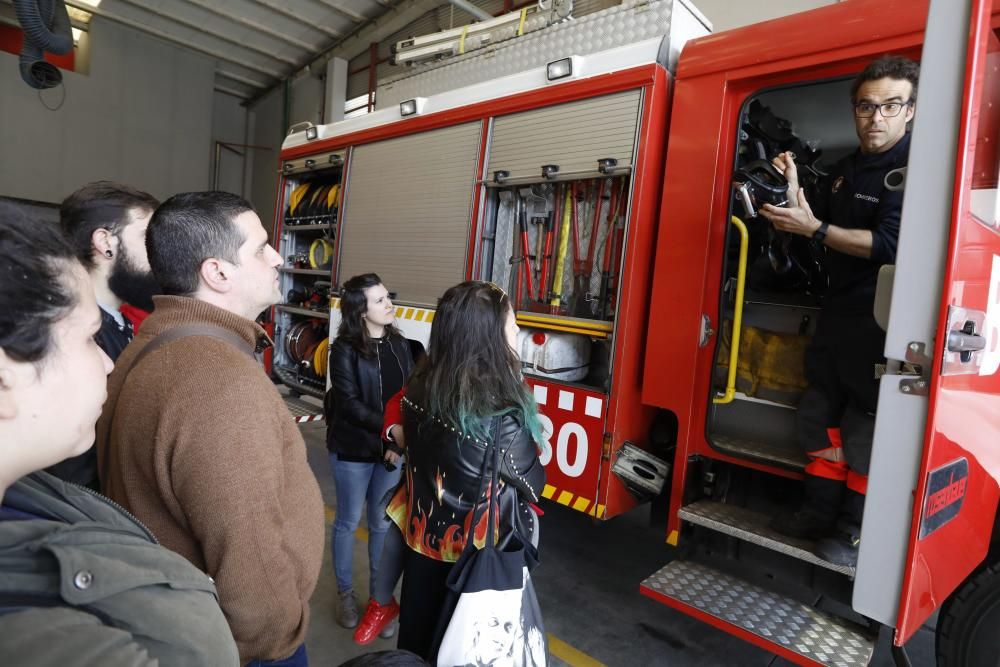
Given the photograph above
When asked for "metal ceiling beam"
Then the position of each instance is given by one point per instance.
(470, 8)
(374, 30)
(232, 91)
(200, 28)
(378, 28)
(233, 76)
(97, 11)
(354, 16)
(278, 9)
(253, 25)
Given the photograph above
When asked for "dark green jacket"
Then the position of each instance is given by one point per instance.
(88, 585)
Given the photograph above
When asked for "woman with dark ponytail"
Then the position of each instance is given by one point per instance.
(469, 380)
(369, 363)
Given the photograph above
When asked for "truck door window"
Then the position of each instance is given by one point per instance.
(984, 203)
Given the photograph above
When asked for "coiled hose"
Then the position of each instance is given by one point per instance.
(46, 28)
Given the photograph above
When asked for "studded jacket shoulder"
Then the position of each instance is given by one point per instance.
(434, 508)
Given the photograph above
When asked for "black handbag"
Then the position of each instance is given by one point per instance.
(491, 613)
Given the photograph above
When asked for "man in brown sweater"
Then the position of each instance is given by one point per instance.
(196, 442)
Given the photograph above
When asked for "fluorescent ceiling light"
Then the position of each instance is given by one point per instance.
(76, 35)
(79, 16)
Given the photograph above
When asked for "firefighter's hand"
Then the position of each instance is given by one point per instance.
(797, 218)
(785, 163)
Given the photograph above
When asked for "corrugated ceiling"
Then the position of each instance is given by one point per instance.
(256, 43)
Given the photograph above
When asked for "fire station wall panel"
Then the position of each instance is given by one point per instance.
(407, 211)
(574, 136)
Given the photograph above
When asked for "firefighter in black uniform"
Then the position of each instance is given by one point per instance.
(857, 218)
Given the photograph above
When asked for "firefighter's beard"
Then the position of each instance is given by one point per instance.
(132, 285)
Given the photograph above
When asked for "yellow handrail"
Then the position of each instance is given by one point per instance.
(734, 346)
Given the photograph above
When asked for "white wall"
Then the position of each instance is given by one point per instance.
(265, 123)
(142, 116)
(229, 125)
(728, 14)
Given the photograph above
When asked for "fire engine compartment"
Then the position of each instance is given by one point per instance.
(428, 203)
(307, 241)
(556, 248)
(784, 280)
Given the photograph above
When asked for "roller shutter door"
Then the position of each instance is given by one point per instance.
(408, 210)
(574, 136)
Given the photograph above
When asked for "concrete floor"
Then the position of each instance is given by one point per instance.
(587, 585)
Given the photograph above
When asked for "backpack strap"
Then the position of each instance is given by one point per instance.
(186, 331)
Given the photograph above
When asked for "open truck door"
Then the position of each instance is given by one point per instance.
(945, 321)
(930, 514)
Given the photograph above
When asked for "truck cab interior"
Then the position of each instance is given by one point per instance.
(784, 277)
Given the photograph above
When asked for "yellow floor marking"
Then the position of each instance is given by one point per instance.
(565, 498)
(409, 314)
(548, 491)
(361, 533)
(430, 317)
(570, 655)
(420, 315)
(581, 504)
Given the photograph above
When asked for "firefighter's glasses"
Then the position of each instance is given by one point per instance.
(887, 109)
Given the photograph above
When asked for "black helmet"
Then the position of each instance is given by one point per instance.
(758, 183)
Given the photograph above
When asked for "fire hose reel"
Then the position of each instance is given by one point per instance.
(302, 344)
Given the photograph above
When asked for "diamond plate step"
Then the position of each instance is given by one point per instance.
(303, 411)
(290, 379)
(763, 451)
(752, 527)
(792, 630)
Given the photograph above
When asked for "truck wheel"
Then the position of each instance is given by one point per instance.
(967, 627)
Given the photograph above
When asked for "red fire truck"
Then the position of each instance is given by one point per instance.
(663, 345)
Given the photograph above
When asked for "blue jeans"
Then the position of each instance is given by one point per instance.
(297, 659)
(357, 484)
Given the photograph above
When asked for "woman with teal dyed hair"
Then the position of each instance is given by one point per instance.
(466, 393)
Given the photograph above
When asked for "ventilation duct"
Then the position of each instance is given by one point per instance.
(46, 28)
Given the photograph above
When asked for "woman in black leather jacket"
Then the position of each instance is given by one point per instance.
(369, 363)
(470, 376)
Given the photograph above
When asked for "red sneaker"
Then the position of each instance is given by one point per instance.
(377, 618)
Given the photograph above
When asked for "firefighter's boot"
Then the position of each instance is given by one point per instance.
(805, 523)
(841, 548)
(816, 517)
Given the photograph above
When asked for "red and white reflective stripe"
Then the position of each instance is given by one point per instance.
(301, 419)
(592, 406)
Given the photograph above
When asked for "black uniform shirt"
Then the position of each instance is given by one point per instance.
(855, 197)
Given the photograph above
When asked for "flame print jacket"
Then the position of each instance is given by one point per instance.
(434, 509)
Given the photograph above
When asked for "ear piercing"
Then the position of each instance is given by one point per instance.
(109, 254)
